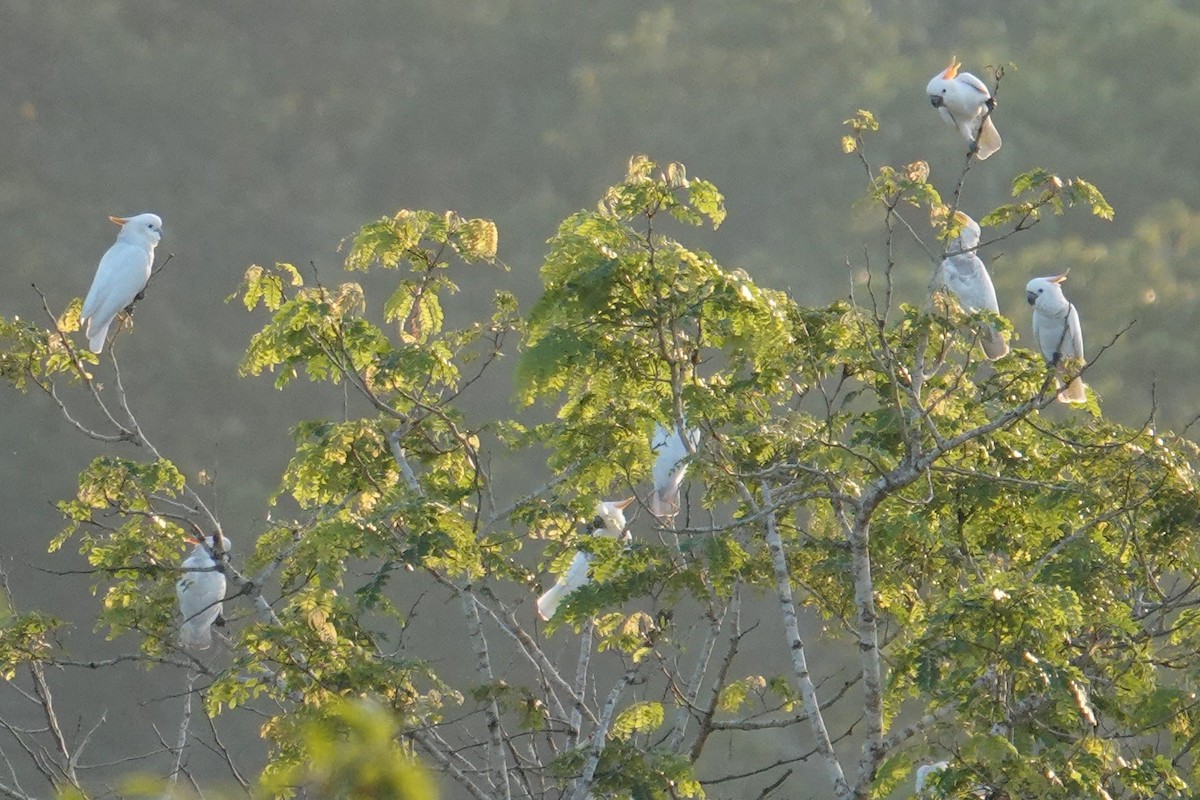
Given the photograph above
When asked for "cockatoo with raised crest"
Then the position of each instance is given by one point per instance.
(123, 272)
(610, 522)
(965, 275)
(1057, 331)
(965, 102)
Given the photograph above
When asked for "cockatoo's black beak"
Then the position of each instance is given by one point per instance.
(935, 100)
(1031, 297)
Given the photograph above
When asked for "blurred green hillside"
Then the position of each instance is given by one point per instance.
(268, 132)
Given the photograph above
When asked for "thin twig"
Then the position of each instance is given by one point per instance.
(47, 703)
(181, 739)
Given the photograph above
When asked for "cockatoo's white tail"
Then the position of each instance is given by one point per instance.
(994, 344)
(547, 604)
(96, 338)
(200, 592)
(123, 272)
(989, 139)
(575, 576)
(669, 469)
(1075, 393)
(196, 635)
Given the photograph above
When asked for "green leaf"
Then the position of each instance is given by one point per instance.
(643, 717)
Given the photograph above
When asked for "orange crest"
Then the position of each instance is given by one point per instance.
(951, 71)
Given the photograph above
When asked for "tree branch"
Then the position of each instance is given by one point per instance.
(787, 607)
(583, 784)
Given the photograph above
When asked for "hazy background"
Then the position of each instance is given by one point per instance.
(266, 132)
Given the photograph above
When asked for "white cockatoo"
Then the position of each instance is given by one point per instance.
(965, 102)
(200, 592)
(123, 273)
(1057, 331)
(669, 468)
(924, 772)
(610, 522)
(965, 275)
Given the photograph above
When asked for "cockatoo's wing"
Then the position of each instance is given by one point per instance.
(973, 83)
(1075, 392)
(575, 576)
(1039, 323)
(199, 593)
(1076, 333)
(971, 108)
(122, 273)
(1053, 333)
(967, 278)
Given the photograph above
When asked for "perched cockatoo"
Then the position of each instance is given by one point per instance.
(1056, 328)
(965, 102)
(925, 771)
(200, 592)
(123, 272)
(610, 522)
(669, 468)
(964, 274)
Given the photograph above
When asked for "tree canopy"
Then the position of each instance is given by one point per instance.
(1015, 578)
(889, 553)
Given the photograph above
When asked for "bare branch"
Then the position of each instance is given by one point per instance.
(47, 703)
(181, 739)
(226, 755)
(581, 672)
(735, 639)
(583, 784)
(428, 744)
(787, 607)
(497, 762)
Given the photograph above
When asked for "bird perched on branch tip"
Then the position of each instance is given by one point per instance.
(122, 274)
(965, 102)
